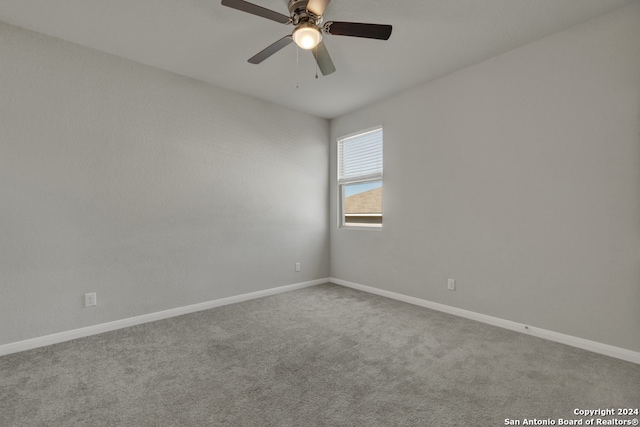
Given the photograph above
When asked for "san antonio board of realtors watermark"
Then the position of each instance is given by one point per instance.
(584, 417)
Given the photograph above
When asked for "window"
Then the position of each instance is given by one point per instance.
(360, 179)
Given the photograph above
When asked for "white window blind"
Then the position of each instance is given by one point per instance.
(360, 156)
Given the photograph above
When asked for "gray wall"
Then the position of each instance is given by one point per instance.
(520, 178)
(153, 190)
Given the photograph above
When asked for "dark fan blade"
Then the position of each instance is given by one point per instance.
(323, 59)
(258, 58)
(357, 29)
(254, 9)
(317, 7)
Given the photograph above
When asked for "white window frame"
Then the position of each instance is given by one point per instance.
(359, 179)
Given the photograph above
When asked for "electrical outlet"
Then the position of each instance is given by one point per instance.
(451, 284)
(297, 266)
(90, 299)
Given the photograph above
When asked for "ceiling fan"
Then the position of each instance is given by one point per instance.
(306, 17)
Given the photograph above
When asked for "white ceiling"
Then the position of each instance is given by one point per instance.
(207, 41)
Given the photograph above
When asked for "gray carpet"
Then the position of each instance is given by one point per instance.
(320, 356)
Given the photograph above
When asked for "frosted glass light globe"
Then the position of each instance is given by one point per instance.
(307, 36)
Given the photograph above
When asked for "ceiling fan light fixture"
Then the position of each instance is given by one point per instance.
(307, 36)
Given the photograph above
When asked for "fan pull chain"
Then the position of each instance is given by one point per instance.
(297, 68)
(316, 48)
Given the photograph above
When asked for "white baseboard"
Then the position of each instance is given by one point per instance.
(151, 317)
(596, 347)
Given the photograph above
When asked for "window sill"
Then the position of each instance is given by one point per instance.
(361, 227)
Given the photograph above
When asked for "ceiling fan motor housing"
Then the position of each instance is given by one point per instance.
(300, 14)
